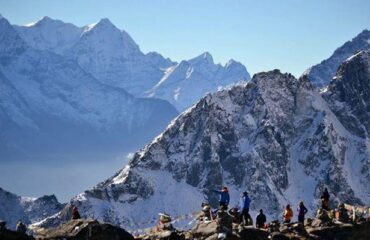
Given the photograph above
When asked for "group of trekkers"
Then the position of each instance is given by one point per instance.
(241, 215)
(225, 217)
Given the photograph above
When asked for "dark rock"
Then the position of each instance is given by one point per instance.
(84, 229)
(278, 236)
(251, 233)
(166, 235)
(342, 232)
(6, 234)
(204, 229)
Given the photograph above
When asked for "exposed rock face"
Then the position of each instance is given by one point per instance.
(275, 137)
(14, 208)
(321, 74)
(349, 94)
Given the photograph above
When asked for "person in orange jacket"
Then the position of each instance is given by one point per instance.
(288, 214)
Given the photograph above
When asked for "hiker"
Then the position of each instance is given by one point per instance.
(244, 207)
(342, 214)
(224, 221)
(206, 214)
(234, 213)
(323, 215)
(2, 225)
(325, 197)
(21, 228)
(75, 213)
(302, 210)
(288, 214)
(165, 223)
(260, 220)
(224, 197)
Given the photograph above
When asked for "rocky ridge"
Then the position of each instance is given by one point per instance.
(29, 210)
(321, 74)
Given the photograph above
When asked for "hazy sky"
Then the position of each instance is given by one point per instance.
(266, 34)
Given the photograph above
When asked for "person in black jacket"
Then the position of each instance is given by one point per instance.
(302, 210)
(260, 220)
(325, 197)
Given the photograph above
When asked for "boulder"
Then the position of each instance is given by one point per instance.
(204, 229)
(279, 236)
(252, 233)
(164, 235)
(84, 229)
(342, 232)
(7, 234)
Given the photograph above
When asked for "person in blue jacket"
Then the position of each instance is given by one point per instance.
(224, 197)
(245, 201)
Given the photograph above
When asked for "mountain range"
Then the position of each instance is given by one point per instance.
(276, 137)
(69, 89)
(112, 56)
(91, 89)
(14, 208)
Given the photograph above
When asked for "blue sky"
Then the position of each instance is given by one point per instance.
(266, 34)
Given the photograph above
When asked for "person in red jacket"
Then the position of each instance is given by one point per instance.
(75, 213)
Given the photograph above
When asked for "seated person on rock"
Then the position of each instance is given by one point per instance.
(342, 214)
(224, 221)
(235, 215)
(21, 228)
(206, 214)
(165, 223)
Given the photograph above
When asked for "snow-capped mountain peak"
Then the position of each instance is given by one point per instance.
(204, 58)
(103, 24)
(112, 56)
(14, 208)
(10, 41)
(50, 34)
(189, 80)
(321, 74)
(48, 20)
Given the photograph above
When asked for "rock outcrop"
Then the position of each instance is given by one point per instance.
(84, 229)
